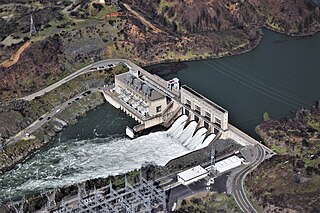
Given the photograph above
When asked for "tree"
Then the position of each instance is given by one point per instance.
(265, 116)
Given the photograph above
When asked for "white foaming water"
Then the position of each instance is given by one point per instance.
(70, 162)
(188, 132)
(197, 138)
(206, 142)
(178, 123)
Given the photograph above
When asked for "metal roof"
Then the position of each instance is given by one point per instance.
(192, 173)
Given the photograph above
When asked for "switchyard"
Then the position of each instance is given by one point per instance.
(143, 196)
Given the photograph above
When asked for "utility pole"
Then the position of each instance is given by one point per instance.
(33, 30)
(213, 160)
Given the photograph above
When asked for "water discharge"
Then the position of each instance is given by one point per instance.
(197, 139)
(188, 132)
(70, 161)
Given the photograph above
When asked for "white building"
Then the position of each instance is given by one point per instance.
(228, 163)
(192, 175)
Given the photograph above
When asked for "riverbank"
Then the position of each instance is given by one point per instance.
(17, 153)
(30, 112)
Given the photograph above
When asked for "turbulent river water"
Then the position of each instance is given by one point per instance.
(281, 75)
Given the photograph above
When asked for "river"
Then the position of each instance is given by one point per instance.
(279, 76)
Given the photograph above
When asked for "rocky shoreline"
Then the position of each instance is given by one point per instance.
(12, 155)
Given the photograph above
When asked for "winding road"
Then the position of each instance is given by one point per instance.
(81, 71)
(239, 193)
(46, 117)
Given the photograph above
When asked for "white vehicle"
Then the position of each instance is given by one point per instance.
(101, 68)
(27, 134)
(58, 110)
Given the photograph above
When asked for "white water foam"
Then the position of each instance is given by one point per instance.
(188, 132)
(71, 162)
(197, 138)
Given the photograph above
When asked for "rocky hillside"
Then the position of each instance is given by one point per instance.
(73, 34)
(189, 16)
(289, 181)
(40, 64)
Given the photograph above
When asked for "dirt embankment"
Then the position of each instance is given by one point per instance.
(15, 58)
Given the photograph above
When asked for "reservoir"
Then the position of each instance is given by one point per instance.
(279, 77)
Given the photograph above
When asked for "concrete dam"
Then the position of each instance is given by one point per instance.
(190, 118)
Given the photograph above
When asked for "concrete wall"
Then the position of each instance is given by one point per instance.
(110, 100)
(154, 104)
(215, 113)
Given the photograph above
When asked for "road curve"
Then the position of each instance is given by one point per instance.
(80, 72)
(47, 117)
(239, 193)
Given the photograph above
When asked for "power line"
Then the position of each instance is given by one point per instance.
(267, 86)
(262, 88)
(270, 80)
(275, 98)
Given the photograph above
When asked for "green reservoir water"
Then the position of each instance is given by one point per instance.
(280, 76)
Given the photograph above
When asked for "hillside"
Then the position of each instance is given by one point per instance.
(289, 181)
(73, 34)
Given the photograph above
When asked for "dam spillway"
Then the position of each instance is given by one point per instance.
(187, 134)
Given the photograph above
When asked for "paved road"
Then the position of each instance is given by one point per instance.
(181, 191)
(84, 70)
(47, 117)
(238, 190)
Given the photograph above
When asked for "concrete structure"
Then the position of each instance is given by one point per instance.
(228, 163)
(204, 111)
(151, 101)
(145, 98)
(192, 175)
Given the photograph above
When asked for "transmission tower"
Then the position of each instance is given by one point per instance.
(33, 30)
(213, 161)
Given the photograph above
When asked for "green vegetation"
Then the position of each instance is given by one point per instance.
(209, 202)
(99, 11)
(291, 179)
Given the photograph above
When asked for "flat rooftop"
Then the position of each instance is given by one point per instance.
(228, 162)
(140, 86)
(195, 93)
(192, 173)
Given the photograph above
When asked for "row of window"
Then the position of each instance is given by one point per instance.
(207, 114)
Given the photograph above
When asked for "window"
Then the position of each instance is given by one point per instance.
(196, 118)
(186, 111)
(188, 103)
(206, 125)
(207, 115)
(158, 109)
(218, 122)
(197, 109)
